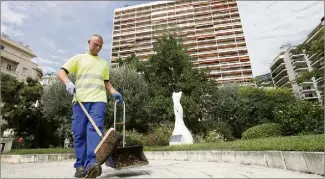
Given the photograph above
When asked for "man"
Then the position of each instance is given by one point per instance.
(92, 78)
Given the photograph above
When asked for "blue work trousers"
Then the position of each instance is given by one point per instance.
(86, 138)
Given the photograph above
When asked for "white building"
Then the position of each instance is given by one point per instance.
(48, 79)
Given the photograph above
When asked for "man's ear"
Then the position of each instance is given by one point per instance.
(88, 41)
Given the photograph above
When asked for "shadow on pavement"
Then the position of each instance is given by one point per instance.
(127, 173)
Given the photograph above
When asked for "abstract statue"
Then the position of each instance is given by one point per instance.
(181, 135)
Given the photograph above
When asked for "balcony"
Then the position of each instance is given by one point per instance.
(236, 71)
(316, 62)
(299, 69)
(312, 97)
(293, 56)
(143, 47)
(307, 83)
(299, 62)
(286, 84)
(319, 80)
(316, 56)
(279, 75)
(226, 37)
(282, 81)
(279, 68)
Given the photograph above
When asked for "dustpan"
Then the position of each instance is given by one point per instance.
(126, 156)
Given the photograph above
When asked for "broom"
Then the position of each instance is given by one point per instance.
(107, 144)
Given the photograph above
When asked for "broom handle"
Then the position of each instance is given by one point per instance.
(89, 117)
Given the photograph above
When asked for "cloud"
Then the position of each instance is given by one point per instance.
(11, 16)
(268, 25)
(58, 30)
(48, 42)
(14, 32)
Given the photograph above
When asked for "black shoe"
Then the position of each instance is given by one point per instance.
(94, 170)
(80, 172)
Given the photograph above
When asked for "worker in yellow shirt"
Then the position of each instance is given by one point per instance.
(92, 78)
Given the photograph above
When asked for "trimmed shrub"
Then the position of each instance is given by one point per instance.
(263, 131)
(302, 117)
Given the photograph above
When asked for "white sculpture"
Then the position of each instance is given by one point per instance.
(181, 135)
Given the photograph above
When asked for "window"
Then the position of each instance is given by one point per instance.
(2, 47)
(9, 67)
(24, 72)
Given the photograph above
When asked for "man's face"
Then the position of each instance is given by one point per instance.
(95, 45)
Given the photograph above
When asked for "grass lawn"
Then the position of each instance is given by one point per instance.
(312, 143)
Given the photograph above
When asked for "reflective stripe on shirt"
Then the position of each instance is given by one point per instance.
(96, 86)
(91, 76)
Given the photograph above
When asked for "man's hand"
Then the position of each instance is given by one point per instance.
(70, 88)
(117, 97)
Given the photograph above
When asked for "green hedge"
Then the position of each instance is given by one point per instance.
(310, 143)
(263, 131)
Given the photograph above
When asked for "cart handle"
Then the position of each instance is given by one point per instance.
(122, 123)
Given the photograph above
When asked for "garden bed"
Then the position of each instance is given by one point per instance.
(311, 143)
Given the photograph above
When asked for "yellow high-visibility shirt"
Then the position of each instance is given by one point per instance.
(90, 71)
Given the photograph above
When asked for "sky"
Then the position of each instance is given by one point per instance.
(58, 30)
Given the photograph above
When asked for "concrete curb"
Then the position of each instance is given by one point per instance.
(307, 162)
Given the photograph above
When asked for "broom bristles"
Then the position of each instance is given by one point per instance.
(107, 145)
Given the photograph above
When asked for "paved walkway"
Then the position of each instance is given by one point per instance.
(156, 169)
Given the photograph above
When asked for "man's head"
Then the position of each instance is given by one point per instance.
(95, 44)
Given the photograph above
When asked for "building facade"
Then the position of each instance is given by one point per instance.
(315, 61)
(16, 60)
(48, 79)
(289, 65)
(211, 29)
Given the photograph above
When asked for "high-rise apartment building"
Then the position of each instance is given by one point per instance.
(212, 32)
(16, 60)
(315, 61)
(285, 70)
(289, 65)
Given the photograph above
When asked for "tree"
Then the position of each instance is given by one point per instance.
(57, 109)
(244, 107)
(300, 117)
(307, 75)
(286, 46)
(22, 111)
(171, 70)
(134, 90)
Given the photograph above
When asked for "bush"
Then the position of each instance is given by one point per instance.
(132, 137)
(302, 117)
(212, 136)
(263, 131)
(224, 130)
(159, 135)
(221, 131)
(198, 138)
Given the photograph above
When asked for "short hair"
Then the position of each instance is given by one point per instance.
(97, 35)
